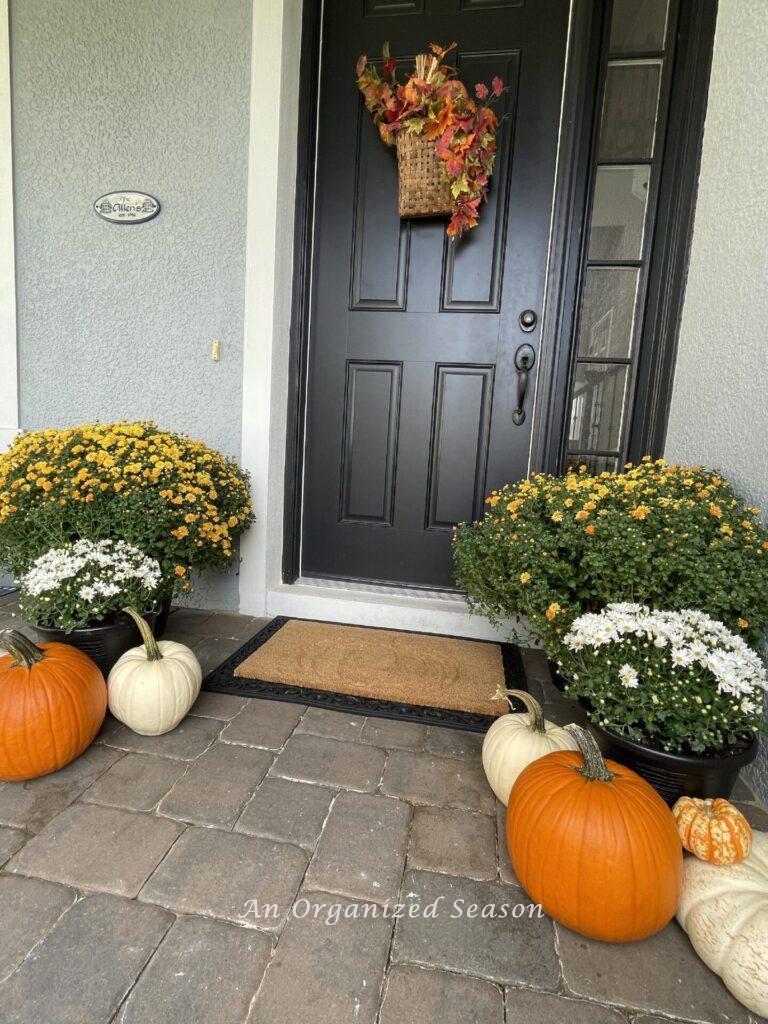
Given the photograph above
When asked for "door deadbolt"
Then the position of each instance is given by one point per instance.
(527, 320)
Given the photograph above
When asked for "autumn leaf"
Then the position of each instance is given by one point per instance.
(414, 125)
(432, 129)
(440, 51)
(386, 134)
(444, 144)
(490, 118)
(412, 93)
(458, 186)
(462, 146)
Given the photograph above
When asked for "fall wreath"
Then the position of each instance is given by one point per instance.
(446, 139)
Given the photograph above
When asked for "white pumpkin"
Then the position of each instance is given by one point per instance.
(515, 740)
(152, 687)
(724, 910)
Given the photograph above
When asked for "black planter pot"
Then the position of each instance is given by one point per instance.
(103, 644)
(559, 681)
(671, 775)
(161, 623)
(676, 775)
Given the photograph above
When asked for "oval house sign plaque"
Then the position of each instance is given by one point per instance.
(127, 207)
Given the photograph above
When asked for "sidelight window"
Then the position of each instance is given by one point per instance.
(624, 182)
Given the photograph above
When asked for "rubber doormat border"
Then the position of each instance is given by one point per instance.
(224, 680)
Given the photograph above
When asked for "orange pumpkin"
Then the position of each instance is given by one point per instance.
(53, 700)
(713, 830)
(594, 844)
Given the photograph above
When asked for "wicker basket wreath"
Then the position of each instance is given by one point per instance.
(446, 140)
(423, 188)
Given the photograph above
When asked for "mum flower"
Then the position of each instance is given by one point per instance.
(629, 677)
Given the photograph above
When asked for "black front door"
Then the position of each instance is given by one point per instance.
(412, 385)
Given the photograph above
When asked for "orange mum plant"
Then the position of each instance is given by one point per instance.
(668, 536)
(175, 499)
(435, 104)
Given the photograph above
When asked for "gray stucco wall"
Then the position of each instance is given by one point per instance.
(116, 321)
(719, 412)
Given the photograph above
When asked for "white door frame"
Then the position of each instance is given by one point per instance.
(275, 59)
(9, 384)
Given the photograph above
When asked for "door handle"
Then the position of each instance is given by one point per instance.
(525, 357)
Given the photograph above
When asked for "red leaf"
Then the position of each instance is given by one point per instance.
(445, 142)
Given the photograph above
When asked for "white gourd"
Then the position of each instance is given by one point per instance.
(151, 688)
(516, 740)
(724, 910)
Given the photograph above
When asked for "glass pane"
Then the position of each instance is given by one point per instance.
(629, 110)
(637, 26)
(597, 407)
(595, 463)
(618, 213)
(608, 312)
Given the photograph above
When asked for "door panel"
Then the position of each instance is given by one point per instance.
(458, 456)
(380, 240)
(372, 412)
(411, 381)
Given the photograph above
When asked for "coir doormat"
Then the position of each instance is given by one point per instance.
(378, 672)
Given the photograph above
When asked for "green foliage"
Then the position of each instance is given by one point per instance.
(174, 498)
(671, 537)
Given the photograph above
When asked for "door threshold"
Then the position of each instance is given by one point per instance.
(364, 604)
(396, 589)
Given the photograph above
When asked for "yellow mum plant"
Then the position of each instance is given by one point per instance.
(174, 498)
(667, 536)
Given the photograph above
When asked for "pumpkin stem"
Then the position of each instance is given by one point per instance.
(532, 706)
(593, 769)
(22, 650)
(153, 651)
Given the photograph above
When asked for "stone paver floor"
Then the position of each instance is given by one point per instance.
(262, 864)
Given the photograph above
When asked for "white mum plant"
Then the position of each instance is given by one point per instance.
(679, 681)
(87, 583)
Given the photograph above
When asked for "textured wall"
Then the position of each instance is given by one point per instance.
(719, 410)
(116, 321)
